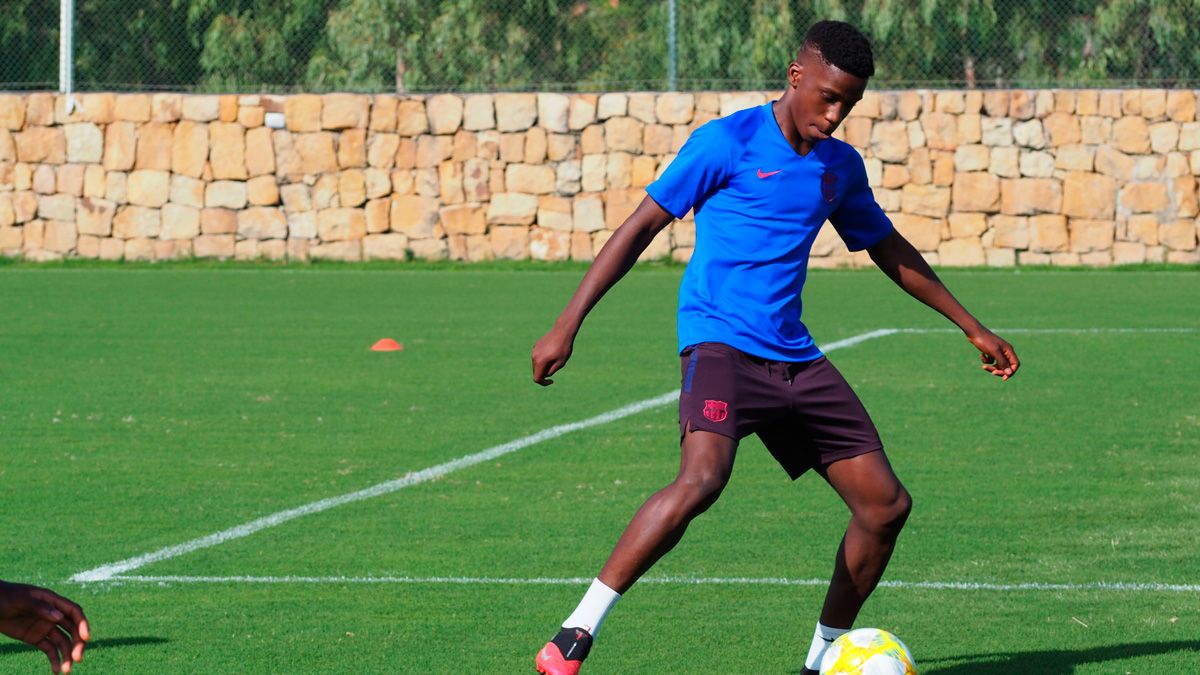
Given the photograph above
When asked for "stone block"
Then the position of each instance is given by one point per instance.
(964, 225)
(341, 224)
(1181, 105)
(12, 112)
(261, 222)
(996, 131)
(84, 142)
(674, 108)
(1089, 196)
(464, 219)
(908, 105)
(479, 112)
(509, 243)
(218, 221)
(120, 144)
(187, 153)
(612, 105)
(433, 150)
(383, 114)
(1178, 235)
(624, 134)
(69, 179)
(352, 148)
(95, 216)
(940, 129)
(302, 225)
(445, 113)
(414, 216)
(1000, 257)
(554, 213)
(549, 244)
(619, 172)
(225, 194)
(262, 191)
(325, 191)
(302, 113)
(581, 247)
(260, 152)
(591, 141)
(1009, 231)
(1164, 137)
(411, 119)
(581, 111)
(1144, 198)
(510, 208)
(465, 146)
(1128, 253)
(352, 188)
(201, 108)
(1021, 105)
(975, 191)
(475, 180)
(515, 112)
(344, 111)
(1048, 233)
(619, 205)
(315, 152)
(1131, 135)
(926, 200)
(588, 213)
(385, 247)
(1029, 134)
(1036, 164)
(967, 252)
(148, 188)
(1026, 196)
(1062, 129)
(925, 234)
(450, 183)
(1091, 235)
(131, 222)
(296, 198)
(971, 158)
(378, 215)
(115, 183)
(889, 141)
(561, 147)
(214, 246)
(535, 146)
(343, 251)
(45, 145)
(553, 112)
(227, 151)
(180, 222)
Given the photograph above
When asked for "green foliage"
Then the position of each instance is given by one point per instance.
(470, 45)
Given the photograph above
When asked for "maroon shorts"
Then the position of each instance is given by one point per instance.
(805, 413)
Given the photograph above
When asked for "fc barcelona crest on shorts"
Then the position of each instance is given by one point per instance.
(716, 411)
(828, 186)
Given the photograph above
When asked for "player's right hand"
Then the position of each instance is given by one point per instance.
(550, 354)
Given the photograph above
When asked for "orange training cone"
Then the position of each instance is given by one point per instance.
(387, 345)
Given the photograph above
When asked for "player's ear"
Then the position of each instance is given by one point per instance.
(795, 73)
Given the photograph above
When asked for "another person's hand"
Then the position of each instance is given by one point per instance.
(998, 356)
(46, 620)
(550, 354)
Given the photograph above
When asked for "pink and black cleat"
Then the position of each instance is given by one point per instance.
(565, 653)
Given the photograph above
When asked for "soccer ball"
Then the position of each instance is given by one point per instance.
(868, 651)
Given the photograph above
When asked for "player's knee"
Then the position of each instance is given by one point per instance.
(887, 518)
(700, 488)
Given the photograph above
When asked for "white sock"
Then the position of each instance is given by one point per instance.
(596, 604)
(822, 638)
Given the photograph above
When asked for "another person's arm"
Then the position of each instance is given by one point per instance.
(46, 620)
(616, 258)
(905, 266)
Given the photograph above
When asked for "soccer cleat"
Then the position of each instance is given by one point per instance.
(565, 653)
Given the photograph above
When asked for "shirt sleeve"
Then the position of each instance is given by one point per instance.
(702, 165)
(859, 220)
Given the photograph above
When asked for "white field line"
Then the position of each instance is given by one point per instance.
(711, 581)
(106, 572)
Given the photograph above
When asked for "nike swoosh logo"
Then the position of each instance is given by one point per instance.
(767, 174)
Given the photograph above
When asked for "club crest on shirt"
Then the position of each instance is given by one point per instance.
(828, 186)
(716, 411)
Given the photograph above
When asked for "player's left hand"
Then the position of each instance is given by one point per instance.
(46, 620)
(998, 356)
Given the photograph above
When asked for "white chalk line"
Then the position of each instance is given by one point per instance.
(109, 571)
(680, 580)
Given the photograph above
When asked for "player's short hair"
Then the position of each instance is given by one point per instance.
(842, 46)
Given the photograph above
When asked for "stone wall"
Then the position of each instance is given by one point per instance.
(1061, 177)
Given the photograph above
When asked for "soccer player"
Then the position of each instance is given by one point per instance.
(46, 620)
(762, 182)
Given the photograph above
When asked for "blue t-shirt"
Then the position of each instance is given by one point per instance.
(759, 205)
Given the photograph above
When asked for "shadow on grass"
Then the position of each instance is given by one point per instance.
(110, 643)
(1051, 662)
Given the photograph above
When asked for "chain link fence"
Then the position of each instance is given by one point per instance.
(588, 45)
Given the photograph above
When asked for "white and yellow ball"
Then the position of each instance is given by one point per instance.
(868, 651)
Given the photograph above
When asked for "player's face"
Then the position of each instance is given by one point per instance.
(824, 96)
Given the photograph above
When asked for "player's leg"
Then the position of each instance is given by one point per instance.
(879, 506)
(706, 460)
(705, 464)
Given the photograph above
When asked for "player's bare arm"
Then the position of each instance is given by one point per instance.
(897, 258)
(46, 620)
(615, 259)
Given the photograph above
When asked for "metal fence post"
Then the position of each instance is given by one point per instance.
(672, 52)
(66, 50)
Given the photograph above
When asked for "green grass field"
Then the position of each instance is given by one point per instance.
(147, 408)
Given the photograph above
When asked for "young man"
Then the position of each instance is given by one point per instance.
(762, 182)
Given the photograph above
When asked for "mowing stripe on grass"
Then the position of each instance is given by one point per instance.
(106, 572)
(713, 581)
